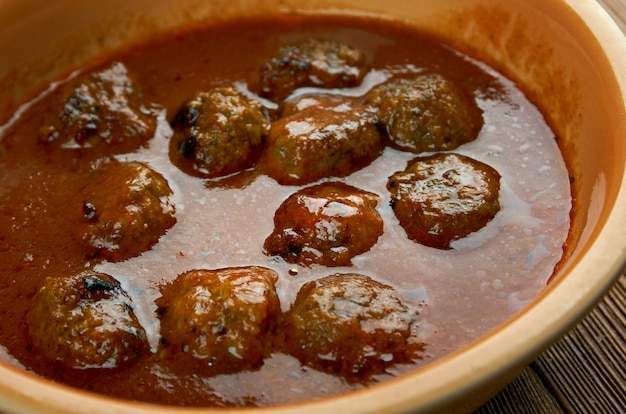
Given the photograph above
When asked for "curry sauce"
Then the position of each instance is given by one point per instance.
(441, 296)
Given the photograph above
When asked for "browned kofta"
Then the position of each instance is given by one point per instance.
(444, 197)
(321, 136)
(313, 62)
(100, 109)
(219, 321)
(326, 224)
(125, 209)
(426, 113)
(351, 325)
(85, 320)
(217, 133)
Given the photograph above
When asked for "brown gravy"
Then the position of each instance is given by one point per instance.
(463, 293)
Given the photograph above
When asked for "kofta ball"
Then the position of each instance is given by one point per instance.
(313, 63)
(85, 320)
(101, 109)
(217, 133)
(351, 325)
(444, 197)
(221, 319)
(321, 136)
(426, 113)
(326, 224)
(124, 209)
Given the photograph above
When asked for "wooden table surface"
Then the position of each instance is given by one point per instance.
(585, 372)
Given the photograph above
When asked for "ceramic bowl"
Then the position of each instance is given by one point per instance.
(569, 57)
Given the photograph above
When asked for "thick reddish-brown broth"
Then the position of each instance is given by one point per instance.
(463, 293)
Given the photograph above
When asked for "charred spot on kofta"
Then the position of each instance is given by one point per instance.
(103, 110)
(217, 132)
(314, 62)
(326, 224)
(85, 320)
(125, 209)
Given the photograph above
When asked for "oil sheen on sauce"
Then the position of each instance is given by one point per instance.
(463, 293)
